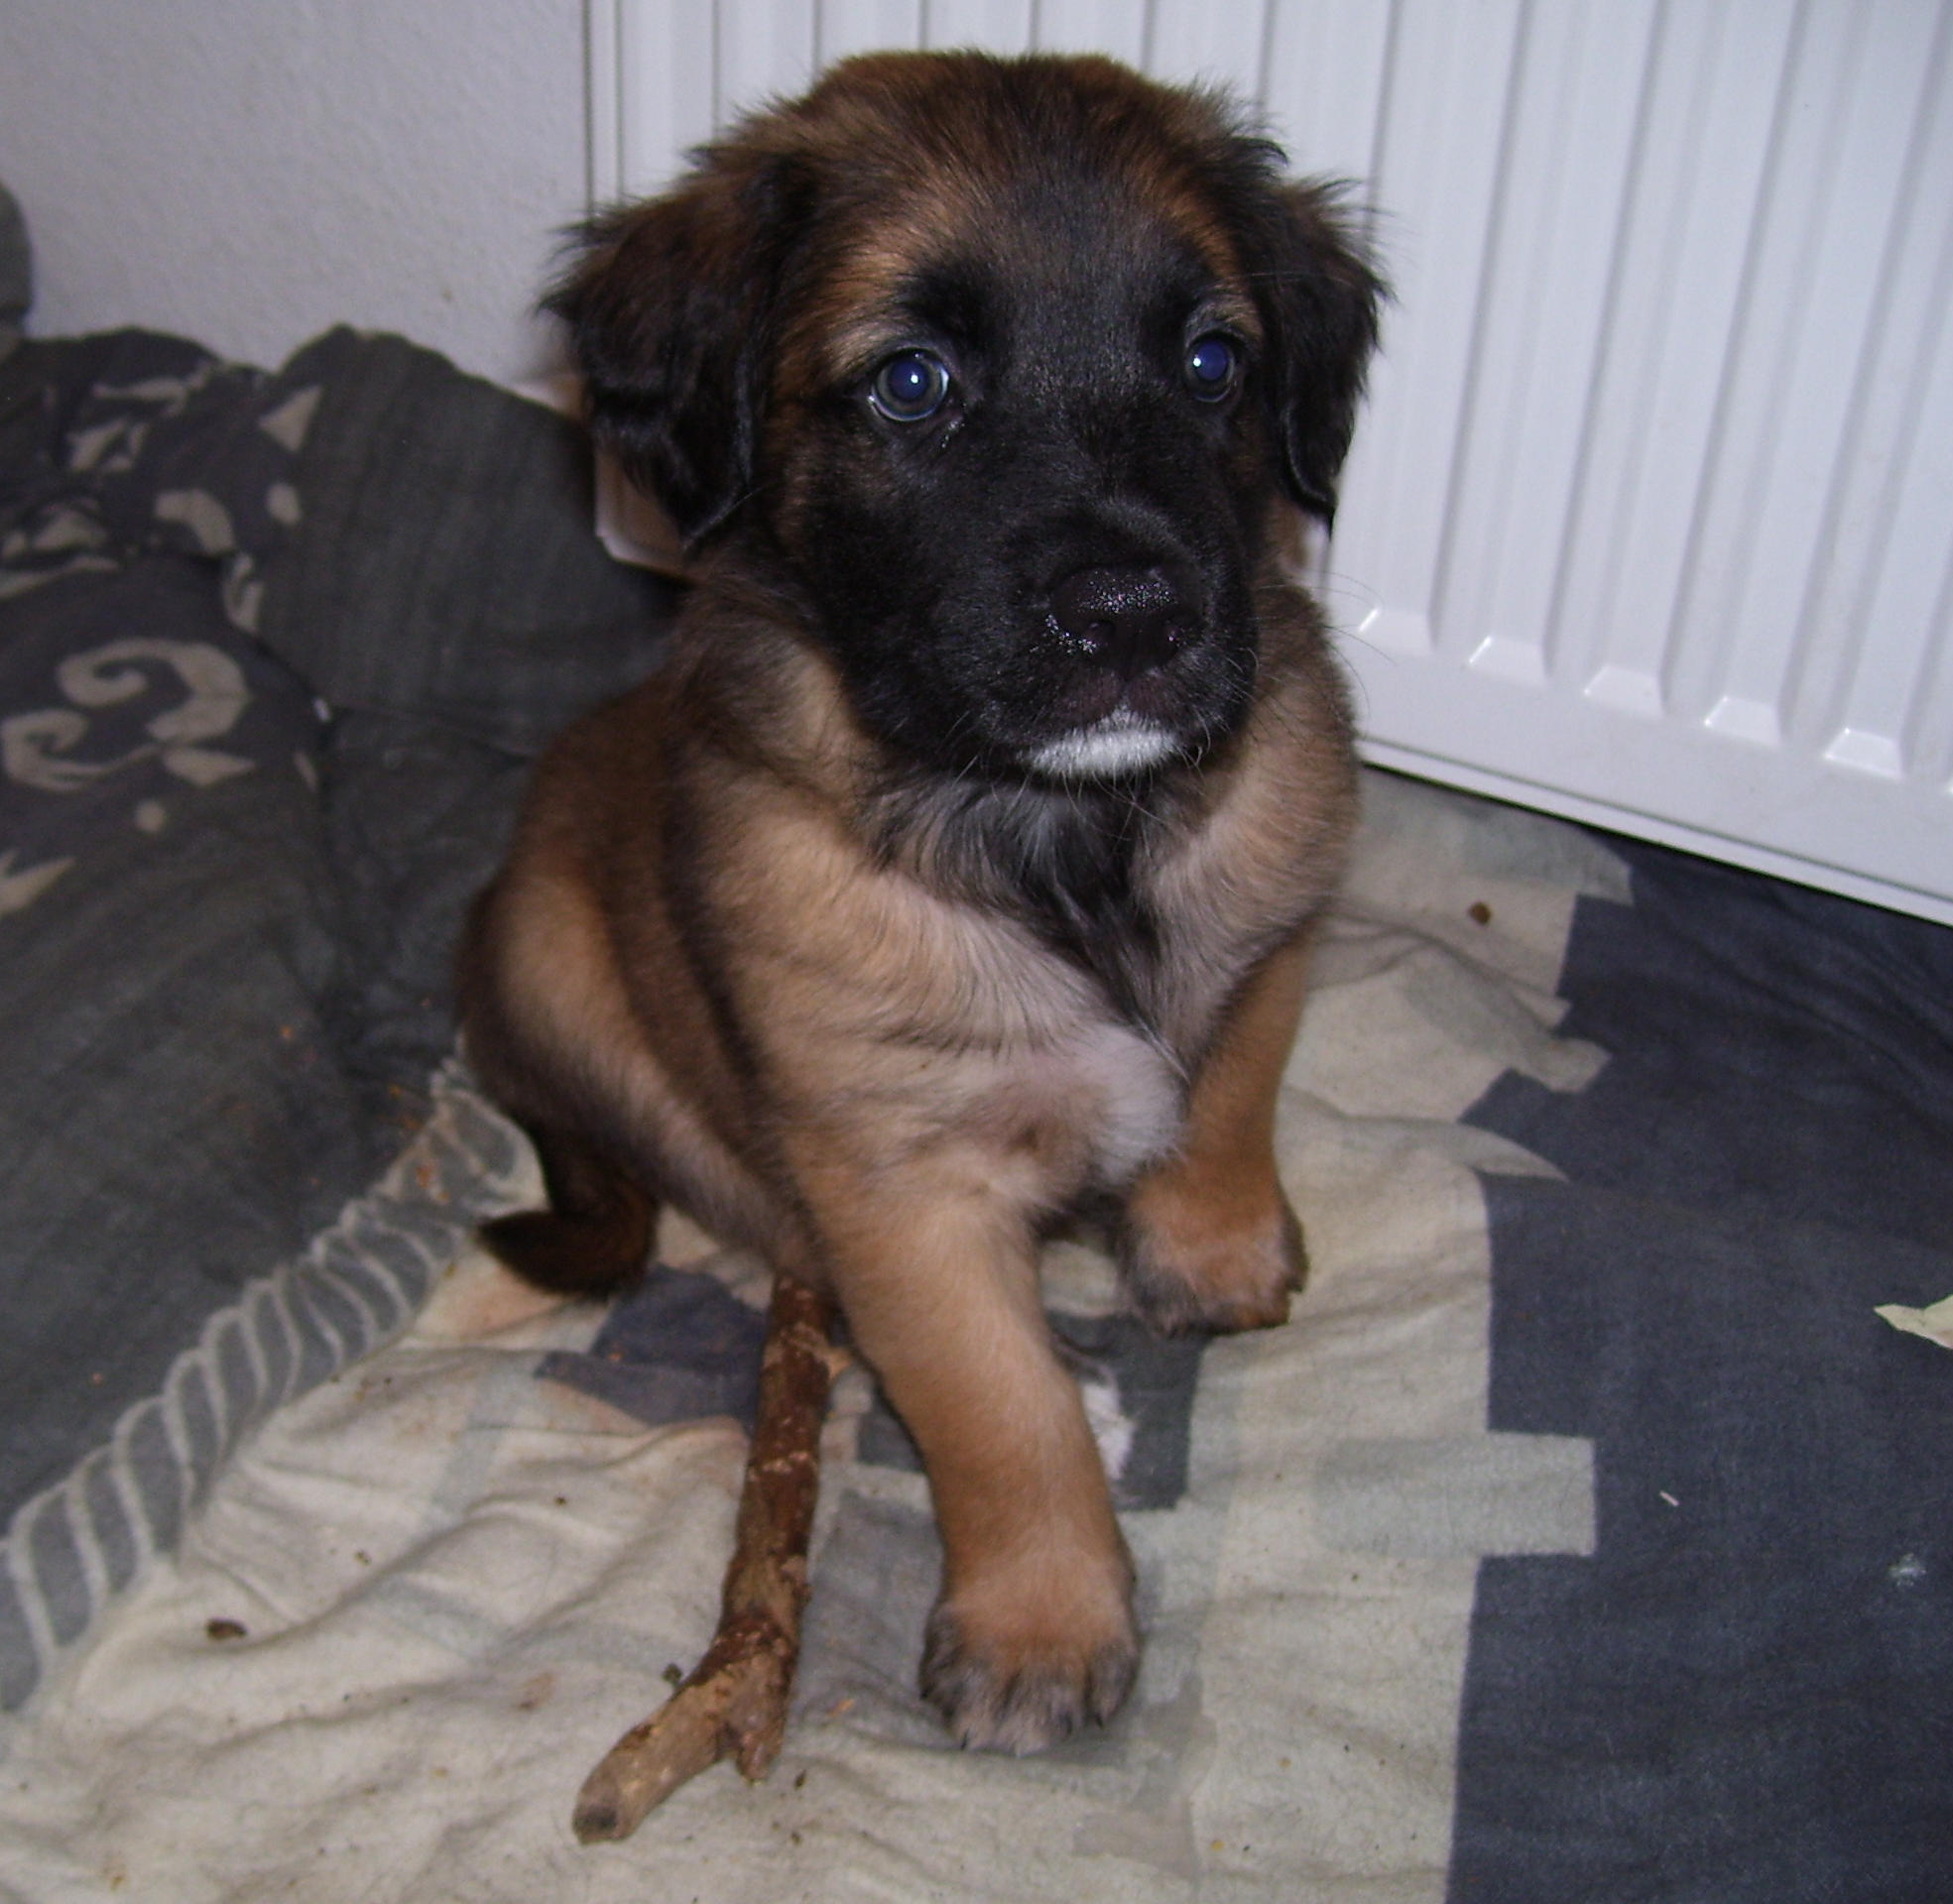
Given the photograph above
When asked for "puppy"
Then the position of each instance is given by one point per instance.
(955, 873)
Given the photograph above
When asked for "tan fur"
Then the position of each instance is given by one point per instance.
(734, 960)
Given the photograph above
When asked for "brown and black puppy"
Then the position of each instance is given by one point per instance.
(955, 872)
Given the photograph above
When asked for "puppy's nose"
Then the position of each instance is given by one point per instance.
(1127, 618)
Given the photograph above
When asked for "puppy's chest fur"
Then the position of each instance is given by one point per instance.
(1066, 1009)
(1068, 868)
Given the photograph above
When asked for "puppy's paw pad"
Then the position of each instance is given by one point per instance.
(1021, 1700)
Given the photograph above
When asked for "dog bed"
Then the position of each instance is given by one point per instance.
(1584, 1535)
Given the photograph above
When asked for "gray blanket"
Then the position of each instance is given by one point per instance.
(274, 651)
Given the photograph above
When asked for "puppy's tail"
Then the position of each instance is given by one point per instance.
(595, 1236)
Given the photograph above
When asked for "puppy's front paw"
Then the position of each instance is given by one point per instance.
(1014, 1674)
(1215, 1278)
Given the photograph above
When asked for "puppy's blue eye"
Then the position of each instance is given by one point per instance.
(909, 386)
(1213, 366)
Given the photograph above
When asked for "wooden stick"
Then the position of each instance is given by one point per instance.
(734, 1703)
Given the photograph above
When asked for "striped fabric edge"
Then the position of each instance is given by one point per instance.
(78, 1544)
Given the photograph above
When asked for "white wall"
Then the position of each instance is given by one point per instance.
(249, 172)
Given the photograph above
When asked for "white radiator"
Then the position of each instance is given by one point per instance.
(1651, 515)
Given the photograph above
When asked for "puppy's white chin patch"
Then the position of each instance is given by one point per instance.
(1122, 743)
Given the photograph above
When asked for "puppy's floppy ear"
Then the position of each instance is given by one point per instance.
(1319, 298)
(670, 307)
